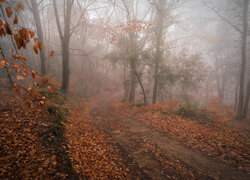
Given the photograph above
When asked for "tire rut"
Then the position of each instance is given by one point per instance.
(201, 165)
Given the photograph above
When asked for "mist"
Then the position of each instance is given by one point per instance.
(145, 86)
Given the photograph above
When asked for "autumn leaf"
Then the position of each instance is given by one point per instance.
(24, 59)
(9, 11)
(36, 39)
(2, 1)
(8, 29)
(3, 62)
(51, 54)
(20, 43)
(1, 22)
(15, 21)
(2, 31)
(27, 103)
(39, 44)
(16, 37)
(35, 49)
(42, 103)
(31, 34)
(23, 33)
(34, 75)
(20, 6)
(19, 77)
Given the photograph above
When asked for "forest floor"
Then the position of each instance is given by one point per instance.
(106, 140)
(132, 148)
(32, 145)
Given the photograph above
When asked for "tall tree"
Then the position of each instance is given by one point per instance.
(240, 113)
(65, 40)
(158, 32)
(243, 33)
(35, 11)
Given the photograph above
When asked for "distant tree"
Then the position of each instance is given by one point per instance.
(242, 102)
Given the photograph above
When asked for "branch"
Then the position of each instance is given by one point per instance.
(57, 20)
(222, 17)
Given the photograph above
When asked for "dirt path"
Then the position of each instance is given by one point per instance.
(136, 139)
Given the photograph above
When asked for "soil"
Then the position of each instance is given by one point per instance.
(135, 138)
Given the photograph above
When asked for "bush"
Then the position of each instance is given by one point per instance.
(194, 112)
(188, 110)
(57, 97)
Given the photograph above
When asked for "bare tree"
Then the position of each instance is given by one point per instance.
(158, 32)
(35, 11)
(243, 33)
(65, 39)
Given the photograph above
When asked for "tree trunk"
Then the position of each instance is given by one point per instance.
(159, 30)
(65, 47)
(132, 84)
(143, 91)
(243, 60)
(245, 109)
(40, 34)
(65, 39)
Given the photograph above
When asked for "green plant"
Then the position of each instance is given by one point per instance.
(194, 112)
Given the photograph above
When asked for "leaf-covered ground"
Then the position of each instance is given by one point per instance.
(29, 146)
(227, 145)
(34, 144)
(94, 154)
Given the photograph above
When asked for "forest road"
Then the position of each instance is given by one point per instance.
(133, 136)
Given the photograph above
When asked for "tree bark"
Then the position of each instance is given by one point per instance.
(132, 83)
(246, 105)
(159, 31)
(243, 60)
(37, 18)
(142, 88)
(65, 39)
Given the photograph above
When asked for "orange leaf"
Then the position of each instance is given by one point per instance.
(35, 49)
(15, 20)
(3, 62)
(24, 59)
(1, 0)
(36, 39)
(34, 74)
(23, 33)
(25, 70)
(9, 11)
(20, 5)
(1, 22)
(19, 77)
(8, 29)
(39, 44)
(51, 54)
(16, 37)
(31, 34)
(2, 31)
(27, 103)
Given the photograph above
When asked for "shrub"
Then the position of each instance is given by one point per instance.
(194, 112)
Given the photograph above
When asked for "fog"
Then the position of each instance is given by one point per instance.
(186, 55)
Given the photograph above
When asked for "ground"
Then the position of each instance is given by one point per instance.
(108, 140)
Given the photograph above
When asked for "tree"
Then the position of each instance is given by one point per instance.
(40, 35)
(158, 32)
(242, 110)
(243, 33)
(65, 40)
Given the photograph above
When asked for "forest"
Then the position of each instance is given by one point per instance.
(124, 89)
